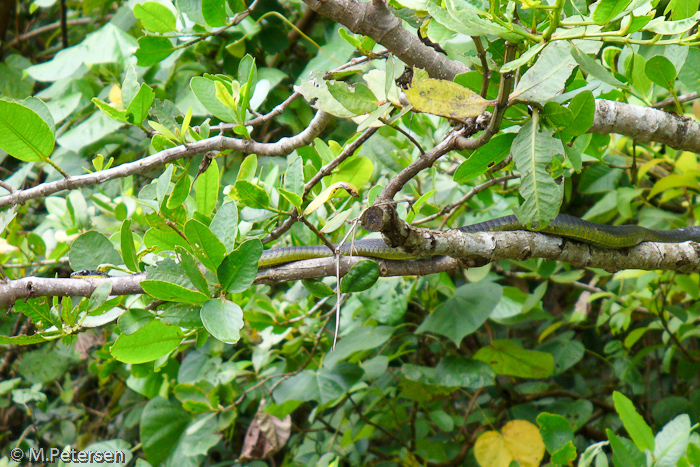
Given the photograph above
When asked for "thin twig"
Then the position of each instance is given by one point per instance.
(681, 100)
(450, 208)
(44, 262)
(326, 170)
(486, 72)
(406, 134)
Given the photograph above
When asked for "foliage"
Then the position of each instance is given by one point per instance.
(180, 139)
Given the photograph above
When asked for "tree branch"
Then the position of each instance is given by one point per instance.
(375, 20)
(646, 124)
(215, 143)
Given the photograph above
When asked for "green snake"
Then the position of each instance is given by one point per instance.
(606, 236)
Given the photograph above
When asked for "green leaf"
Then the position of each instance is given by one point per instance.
(318, 288)
(635, 69)
(164, 132)
(152, 50)
(358, 99)
(170, 292)
(39, 311)
(294, 178)
(155, 17)
(189, 265)
(452, 371)
(239, 269)
(671, 442)
(99, 296)
(163, 185)
(533, 151)
(607, 10)
(223, 319)
(225, 97)
(557, 436)
(151, 342)
(92, 249)
(137, 111)
(214, 12)
(625, 453)
(23, 133)
(582, 107)
(323, 385)
(469, 20)
(450, 319)
(548, 75)
(415, 208)
(356, 171)
(594, 68)
(293, 198)
(134, 319)
(248, 169)
(180, 192)
(557, 114)
(207, 191)
(360, 277)
(128, 249)
(360, 339)
(493, 152)
(164, 240)
(205, 91)
(252, 195)
(112, 112)
(635, 425)
(205, 245)
(248, 77)
(225, 225)
(661, 71)
(566, 353)
(661, 26)
(161, 426)
(689, 73)
(506, 357)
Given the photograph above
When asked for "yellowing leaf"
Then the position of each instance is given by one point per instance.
(115, 96)
(224, 96)
(529, 3)
(687, 180)
(326, 194)
(445, 98)
(519, 440)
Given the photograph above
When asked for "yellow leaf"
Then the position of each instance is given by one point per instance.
(115, 96)
(529, 3)
(490, 450)
(326, 194)
(519, 440)
(445, 98)
(687, 180)
(224, 96)
(524, 442)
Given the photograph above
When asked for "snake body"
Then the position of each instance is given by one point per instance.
(607, 236)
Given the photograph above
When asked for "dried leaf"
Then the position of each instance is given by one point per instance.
(445, 98)
(266, 435)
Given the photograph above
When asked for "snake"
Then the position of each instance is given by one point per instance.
(564, 225)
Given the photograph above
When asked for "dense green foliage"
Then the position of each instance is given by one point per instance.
(534, 356)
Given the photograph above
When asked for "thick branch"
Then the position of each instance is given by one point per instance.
(646, 124)
(31, 287)
(445, 251)
(215, 143)
(375, 20)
